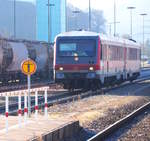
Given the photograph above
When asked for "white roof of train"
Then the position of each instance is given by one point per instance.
(104, 38)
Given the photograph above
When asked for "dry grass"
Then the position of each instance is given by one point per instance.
(90, 109)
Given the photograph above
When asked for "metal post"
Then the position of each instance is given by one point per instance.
(49, 38)
(25, 107)
(49, 21)
(89, 15)
(48, 69)
(29, 97)
(14, 18)
(19, 109)
(6, 111)
(75, 17)
(66, 15)
(143, 40)
(143, 15)
(131, 23)
(117, 22)
(46, 105)
(131, 8)
(36, 104)
(114, 17)
(76, 22)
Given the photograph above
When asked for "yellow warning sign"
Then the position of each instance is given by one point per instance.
(28, 67)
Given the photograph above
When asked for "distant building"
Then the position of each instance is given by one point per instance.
(25, 19)
(57, 18)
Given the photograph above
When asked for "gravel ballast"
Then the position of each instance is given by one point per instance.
(139, 130)
(95, 113)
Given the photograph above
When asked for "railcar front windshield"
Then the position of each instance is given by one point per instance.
(77, 47)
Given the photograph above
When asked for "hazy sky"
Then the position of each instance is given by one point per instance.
(123, 15)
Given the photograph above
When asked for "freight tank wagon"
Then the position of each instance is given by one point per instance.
(13, 52)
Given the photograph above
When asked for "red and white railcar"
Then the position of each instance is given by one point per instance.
(90, 60)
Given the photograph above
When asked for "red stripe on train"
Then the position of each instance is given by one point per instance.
(77, 67)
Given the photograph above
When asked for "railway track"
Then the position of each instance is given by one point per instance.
(101, 136)
(63, 97)
(17, 87)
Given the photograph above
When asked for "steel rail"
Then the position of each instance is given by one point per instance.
(117, 125)
(24, 87)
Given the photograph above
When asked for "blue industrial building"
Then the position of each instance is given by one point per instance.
(57, 17)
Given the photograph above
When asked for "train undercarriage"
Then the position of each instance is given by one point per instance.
(12, 78)
(94, 84)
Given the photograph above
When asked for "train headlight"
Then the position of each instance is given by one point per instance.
(91, 68)
(60, 75)
(75, 55)
(91, 75)
(61, 68)
(76, 58)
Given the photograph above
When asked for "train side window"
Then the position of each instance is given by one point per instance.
(133, 54)
(114, 53)
(101, 52)
(111, 53)
(117, 53)
(138, 54)
(120, 53)
(105, 52)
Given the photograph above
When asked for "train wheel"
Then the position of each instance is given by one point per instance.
(71, 90)
(131, 80)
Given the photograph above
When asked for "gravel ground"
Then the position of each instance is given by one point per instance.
(95, 116)
(139, 130)
(90, 109)
(112, 115)
(98, 112)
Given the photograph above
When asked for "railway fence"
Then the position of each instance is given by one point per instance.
(24, 110)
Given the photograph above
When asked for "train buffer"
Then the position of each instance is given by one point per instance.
(45, 129)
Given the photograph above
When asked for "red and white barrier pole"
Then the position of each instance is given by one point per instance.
(19, 109)
(25, 107)
(36, 104)
(46, 105)
(6, 111)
